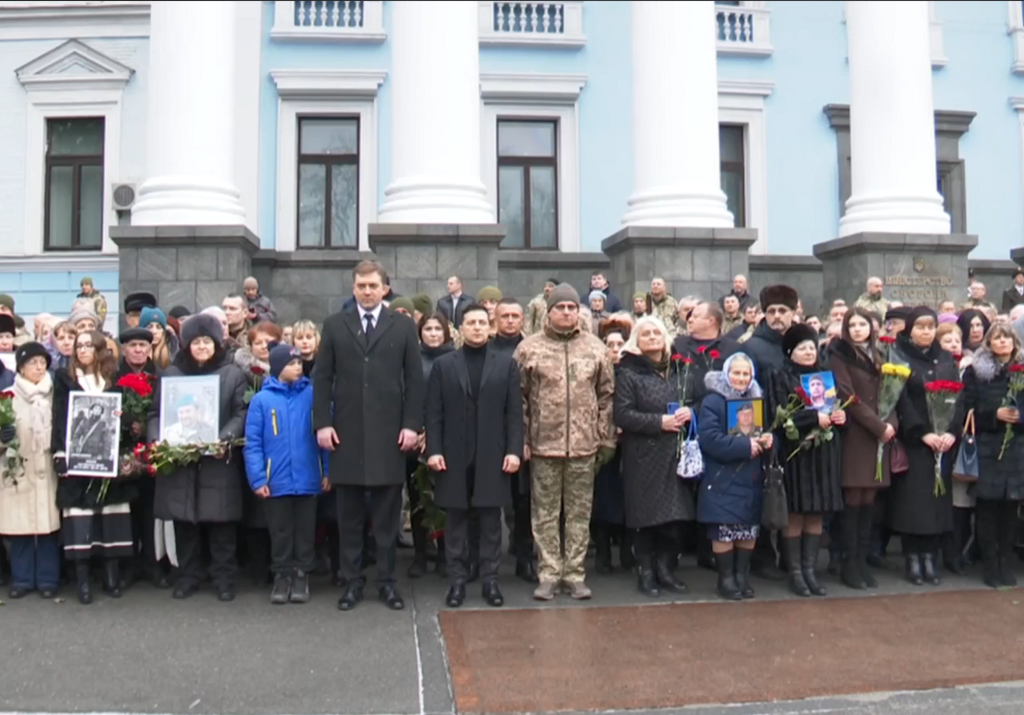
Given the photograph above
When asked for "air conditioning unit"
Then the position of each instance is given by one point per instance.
(124, 196)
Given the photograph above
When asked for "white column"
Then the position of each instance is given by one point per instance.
(892, 121)
(676, 177)
(191, 122)
(435, 126)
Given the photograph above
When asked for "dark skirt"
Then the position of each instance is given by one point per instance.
(815, 492)
(609, 493)
(105, 532)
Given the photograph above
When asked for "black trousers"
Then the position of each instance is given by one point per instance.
(523, 525)
(660, 540)
(143, 528)
(996, 527)
(457, 543)
(386, 513)
(292, 525)
(222, 540)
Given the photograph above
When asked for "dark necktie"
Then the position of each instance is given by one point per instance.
(369, 326)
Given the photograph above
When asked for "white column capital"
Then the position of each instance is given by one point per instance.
(892, 121)
(191, 122)
(435, 135)
(677, 178)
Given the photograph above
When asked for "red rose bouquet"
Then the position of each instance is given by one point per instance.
(137, 396)
(941, 397)
(1013, 388)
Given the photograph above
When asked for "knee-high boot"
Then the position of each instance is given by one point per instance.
(796, 577)
(1007, 536)
(809, 545)
(852, 573)
(82, 579)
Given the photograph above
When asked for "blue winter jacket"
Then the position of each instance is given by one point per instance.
(731, 490)
(280, 444)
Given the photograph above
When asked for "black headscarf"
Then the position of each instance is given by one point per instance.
(921, 311)
(964, 322)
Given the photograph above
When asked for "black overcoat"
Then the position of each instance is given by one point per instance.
(499, 428)
(369, 392)
(209, 491)
(913, 506)
(655, 494)
(765, 348)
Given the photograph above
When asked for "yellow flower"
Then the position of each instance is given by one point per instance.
(903, 371)
(888, 369)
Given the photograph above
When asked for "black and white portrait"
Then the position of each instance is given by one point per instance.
(189, 410)
(93, 434)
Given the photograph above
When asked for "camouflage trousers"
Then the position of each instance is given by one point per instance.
(556, 484)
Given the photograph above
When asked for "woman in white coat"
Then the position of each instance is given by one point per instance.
(29, 519)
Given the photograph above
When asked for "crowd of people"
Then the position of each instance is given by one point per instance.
(655, 426)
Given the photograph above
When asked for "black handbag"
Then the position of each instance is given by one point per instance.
(966, 466)
(774, 508)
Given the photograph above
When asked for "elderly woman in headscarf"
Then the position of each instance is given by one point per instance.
(647, 411)
(915, 511)
(597, 300)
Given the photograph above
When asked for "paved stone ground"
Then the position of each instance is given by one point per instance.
(147, 653)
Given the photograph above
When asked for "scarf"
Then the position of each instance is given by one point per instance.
(90, 382)
(718, 381)
(40, 411)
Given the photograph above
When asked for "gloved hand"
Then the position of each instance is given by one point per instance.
(7, 434)
(604, 455)
(60, 465)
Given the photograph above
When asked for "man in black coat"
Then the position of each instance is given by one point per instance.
(702, 343)
(475, 442)
(367, 410)
(1014, 295)
(454, 305)
(739, 289)
(779, 303)
(598, 281)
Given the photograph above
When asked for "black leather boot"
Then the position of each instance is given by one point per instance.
(112, 578)
(1007, 531)
(852, 573)
(727, 587)
(930, 573)
(82, 580)
(663, 573)
(987, 531)
(526, 570)
(645, 581)
(796, 576)
(809, 545)
(742, 564)
(864, 518)
(603, 542)
(914, 569)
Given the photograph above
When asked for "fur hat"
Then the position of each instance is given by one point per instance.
(201, 326)
(562, 293)
(488, 293)
(798, 333)
(135, 302)
(280, 355)
(779, 295)
(30, 350)
(7, 324)
(135, 334)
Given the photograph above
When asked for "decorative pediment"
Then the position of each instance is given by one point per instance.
(73, 65)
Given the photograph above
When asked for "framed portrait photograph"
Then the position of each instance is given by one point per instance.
(190, 410)
(93, 434)
(821, 389)
(746, 417)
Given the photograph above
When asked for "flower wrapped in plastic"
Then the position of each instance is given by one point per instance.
(941, 397)
(894, 377)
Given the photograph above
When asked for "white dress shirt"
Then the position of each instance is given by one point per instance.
(375, 313)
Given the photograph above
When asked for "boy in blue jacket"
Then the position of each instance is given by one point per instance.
(285, 468)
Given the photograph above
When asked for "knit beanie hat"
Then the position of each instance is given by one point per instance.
(280, 355)
(87, 281)
(488, 293)
(19, 322)
(563, 293)
(201, 326)
(422, 303)
(30, 350)
(599, 294)
(7, 325)
(83, 313)
(152, 315)
(640, 295)
(404, 303)
(179, 312)
(798, 333)
(8, 301)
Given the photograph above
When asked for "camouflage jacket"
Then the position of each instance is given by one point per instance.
(730, 324)
(99, 304)
(567, 383)
(879, 306)
(668, 311)
(536, 315)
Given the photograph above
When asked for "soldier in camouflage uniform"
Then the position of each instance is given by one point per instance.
(664, 306)
(872, 300)
(567, 383)
(99, 303)
(537, 310)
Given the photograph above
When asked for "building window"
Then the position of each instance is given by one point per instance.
(328, 182)
(528, 183)
(733, 170)
(73, 215)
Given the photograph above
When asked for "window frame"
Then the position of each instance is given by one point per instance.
(737, 167)
(76, 162)
(527, 163)
(742, 102)
(328, 161)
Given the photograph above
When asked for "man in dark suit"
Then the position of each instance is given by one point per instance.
(1014, 295)
(454, 305)
(475, 443)
(367, 410)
